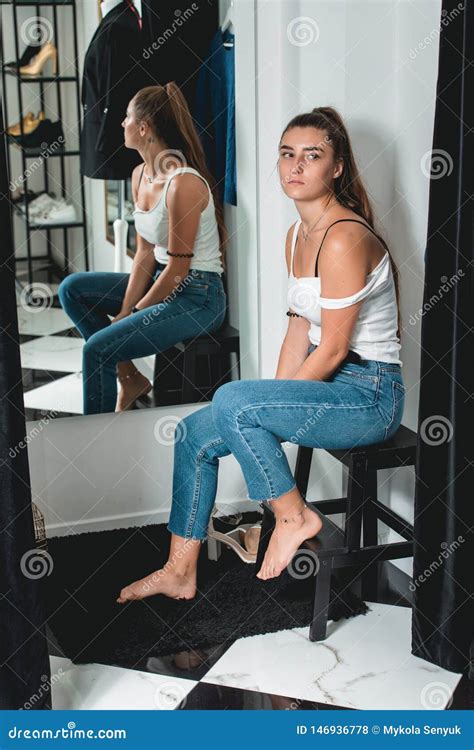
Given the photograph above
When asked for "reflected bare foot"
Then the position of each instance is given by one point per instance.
(131, 389)
(163, 581)
(285, 540)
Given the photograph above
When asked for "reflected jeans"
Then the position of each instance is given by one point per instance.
(89, 297)
(360, 404)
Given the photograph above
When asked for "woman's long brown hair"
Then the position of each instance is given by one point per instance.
(348, 187)
(167, 111)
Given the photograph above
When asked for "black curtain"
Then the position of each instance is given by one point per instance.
(442, 630)
(176, 41)
(24, 662)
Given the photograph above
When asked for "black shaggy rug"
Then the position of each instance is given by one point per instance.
(89, 570)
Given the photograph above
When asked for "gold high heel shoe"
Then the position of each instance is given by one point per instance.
(30, 123)
(37, 64)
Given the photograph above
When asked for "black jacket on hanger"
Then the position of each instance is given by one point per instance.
(113, 73)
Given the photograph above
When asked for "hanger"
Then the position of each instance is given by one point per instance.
(135, 5)
(227, 23)
(132, 4)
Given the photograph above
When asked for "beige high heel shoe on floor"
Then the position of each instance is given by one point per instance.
(243, 540)
(36, 66)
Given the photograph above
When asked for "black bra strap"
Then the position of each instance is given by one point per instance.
(336, 222)
(141, 175)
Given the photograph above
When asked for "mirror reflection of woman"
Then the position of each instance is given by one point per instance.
(338, 382)
(174, 290)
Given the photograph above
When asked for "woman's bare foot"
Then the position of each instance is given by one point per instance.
(130, 389)
(286, 539)
(169, 583)
(176, 579)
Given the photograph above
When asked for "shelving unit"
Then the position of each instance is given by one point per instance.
(37, 153)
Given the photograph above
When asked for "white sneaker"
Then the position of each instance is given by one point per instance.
(39, 204)
(60, 213)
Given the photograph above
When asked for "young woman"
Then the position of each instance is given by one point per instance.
(174, 291)
(344, 389)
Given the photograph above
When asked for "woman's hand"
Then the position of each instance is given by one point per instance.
(122, 314)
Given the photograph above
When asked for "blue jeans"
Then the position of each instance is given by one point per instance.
(197, 306)
(360, 404)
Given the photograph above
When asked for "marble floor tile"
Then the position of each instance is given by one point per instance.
(52, 286)
(37, 321)
(101, 687)
(364, 663)
(52, 353)
(62, 395)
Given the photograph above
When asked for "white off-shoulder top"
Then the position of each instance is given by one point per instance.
(375, 332)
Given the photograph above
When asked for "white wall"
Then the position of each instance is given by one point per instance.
(354, 56)
(113, 470)
(360, 63)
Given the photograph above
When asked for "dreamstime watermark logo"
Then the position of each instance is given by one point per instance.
(180, 285)
(167, 567)
(436, 430)
(436, 164)
(446, 551)
(314, 415)
(303, 297)
(446, 285)
(436, 695)
(302, 31)
(180, 18)
(44, 689)
(169, 430)
(36, 297)
(47, 149)
(169, 160)
(36, 31)
(15, 450)
(295, 705)
(446, 18)
(304, 564)
(36, 564)
(170, 695)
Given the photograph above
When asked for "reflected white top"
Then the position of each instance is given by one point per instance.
(153, 226)
(375, 331)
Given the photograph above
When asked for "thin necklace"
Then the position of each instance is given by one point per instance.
(306, 234)
(155, 178)
(149, 179)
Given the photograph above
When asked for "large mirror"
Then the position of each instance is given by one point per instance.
(73, 265)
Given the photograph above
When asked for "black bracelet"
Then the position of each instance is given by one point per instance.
(293, 314)
(135, 309)
(180, 255)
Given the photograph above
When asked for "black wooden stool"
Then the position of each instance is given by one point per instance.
(217, 346)
(335, 548)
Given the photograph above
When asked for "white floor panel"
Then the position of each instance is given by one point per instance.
(52, 353)
(42, 321)
(62, 395)
(365, 663)
(100, 687)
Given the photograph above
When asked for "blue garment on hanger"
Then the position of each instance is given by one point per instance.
(214, 114)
